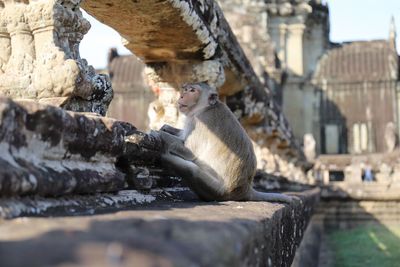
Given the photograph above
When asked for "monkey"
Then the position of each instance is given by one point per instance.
(212, 153)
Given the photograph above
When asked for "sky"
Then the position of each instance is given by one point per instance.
(350, 20)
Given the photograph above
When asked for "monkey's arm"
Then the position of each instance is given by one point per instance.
(175, 146)
(207, 186)
(171, 130)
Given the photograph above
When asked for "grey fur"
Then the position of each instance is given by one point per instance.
(213, 152)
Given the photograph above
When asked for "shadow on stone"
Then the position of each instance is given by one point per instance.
(209, 234)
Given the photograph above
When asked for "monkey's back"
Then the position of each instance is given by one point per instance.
(220, 142)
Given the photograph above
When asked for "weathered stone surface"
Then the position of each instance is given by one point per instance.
(89, 204)
(347, 205)
(161, 188)
(49, 151)
(310, 251)
(289, 8)
(345, 213)
(39, 56)
(164, 234)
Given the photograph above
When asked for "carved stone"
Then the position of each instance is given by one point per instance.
(17, 71)
(44, 64)
(5, 40)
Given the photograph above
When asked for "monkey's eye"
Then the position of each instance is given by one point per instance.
(192, 90)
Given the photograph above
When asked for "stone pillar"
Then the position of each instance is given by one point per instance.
(45, 64)
(54, 74)
(325, 175)
(5, 41)
(165, 79)
(17, 72)
(279, 36)
(67, 19)
(309, 147)
(353, 173)
(294, 48)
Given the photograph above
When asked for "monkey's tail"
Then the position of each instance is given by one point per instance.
(255, 195)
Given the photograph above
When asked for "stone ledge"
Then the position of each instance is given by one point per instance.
(73, 205)
(48, 151)
(163, 234)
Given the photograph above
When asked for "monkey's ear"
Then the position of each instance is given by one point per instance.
(212, 99)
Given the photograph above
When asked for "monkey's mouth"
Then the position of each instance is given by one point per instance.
(182, 106)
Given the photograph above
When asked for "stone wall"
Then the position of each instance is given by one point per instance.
(347, 205)
(344, 214)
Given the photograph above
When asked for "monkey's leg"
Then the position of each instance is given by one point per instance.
(176, 146)
(202, 182)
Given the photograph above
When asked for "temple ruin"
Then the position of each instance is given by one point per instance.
(96, 183)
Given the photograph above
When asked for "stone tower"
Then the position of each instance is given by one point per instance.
(392, 33)
(300, 32)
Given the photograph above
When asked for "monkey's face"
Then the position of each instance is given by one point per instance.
(188, 99)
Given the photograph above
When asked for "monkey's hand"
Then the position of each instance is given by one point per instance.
(155, 134)
(171, 130)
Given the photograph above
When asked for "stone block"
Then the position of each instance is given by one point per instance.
(45, 150)
(173, 233)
